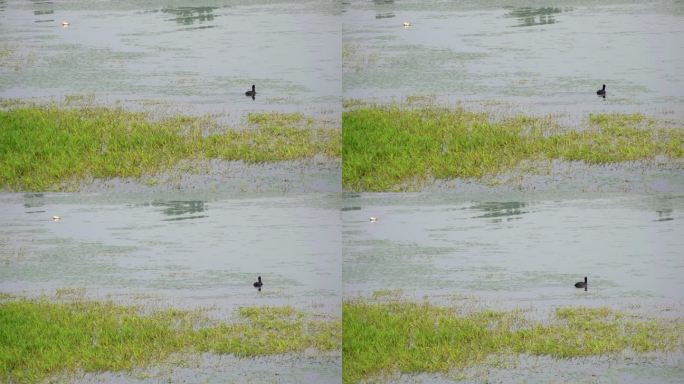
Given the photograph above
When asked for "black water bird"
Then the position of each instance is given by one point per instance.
(251, 93)
(602, 92)
(258, 284)
(578, 284)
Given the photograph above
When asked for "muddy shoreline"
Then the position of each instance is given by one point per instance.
(658, 175)
(319, 174)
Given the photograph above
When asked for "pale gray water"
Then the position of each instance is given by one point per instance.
(532, 56)
(518, 251)
(207, 368)
(200, 57)
(185, 250)
(627, 368)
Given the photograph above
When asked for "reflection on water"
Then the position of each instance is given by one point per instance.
(190, 15)
(33, 200)
(500, 209)
(43, 8)
(387, 15)
(185, 209)
(528, 17)
(664, 214)
(186, 218)
(174, 208)
(174, 250)
(383, 12)
(515, 251)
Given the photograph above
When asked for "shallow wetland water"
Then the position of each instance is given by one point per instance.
(186, 251)
(182, 250)
(198, 241)
(195, 236)
(519, 57)
(512, 251)
(185, 57)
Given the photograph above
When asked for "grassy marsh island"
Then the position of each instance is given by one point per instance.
(45, 148)
(382, 338)
(40, 338)
(396, 147)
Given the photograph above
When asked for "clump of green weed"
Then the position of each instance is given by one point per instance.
(380, 338)
(39, 338)
(388, 147)
(42, 148)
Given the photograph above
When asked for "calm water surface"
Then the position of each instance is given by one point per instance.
(200, 57)
(545, 57)
(198, 251)
(515, 251)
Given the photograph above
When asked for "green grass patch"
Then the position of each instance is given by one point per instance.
(389, 148)
(44, 147)
(39, 338)
(4, 51)
(271, 119)
(382, 338)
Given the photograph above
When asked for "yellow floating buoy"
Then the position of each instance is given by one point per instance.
(373, 219)
(56, 218)
(407, 24)
(65, 23)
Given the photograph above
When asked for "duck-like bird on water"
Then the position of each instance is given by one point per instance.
(602, 92)
(581, 284)
(258, 284)
(251, 93)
